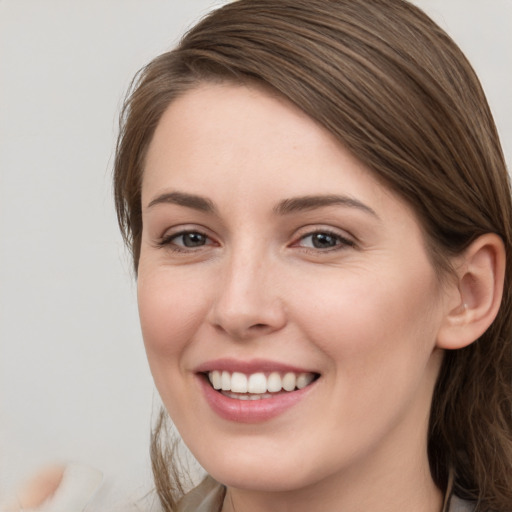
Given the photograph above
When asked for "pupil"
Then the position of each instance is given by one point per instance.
(323, 240)
(193, 240)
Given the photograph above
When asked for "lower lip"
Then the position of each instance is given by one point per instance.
(251, 411)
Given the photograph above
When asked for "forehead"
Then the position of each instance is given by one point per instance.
(215, 127)
(225, 118)
(243, 145)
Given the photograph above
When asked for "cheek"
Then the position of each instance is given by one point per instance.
(373, 322)
(378, 336)
(170, 310)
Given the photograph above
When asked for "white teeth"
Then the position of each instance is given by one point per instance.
(258, 385)
(247, 396)
(225, 381)
(238, 383)
(216, 379)
(289, 381)
(304, 379)
(274, 383)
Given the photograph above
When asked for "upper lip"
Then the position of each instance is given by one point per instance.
(249, 367)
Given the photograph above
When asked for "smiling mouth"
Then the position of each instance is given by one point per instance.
(257, 386)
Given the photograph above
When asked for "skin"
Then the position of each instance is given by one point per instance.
(364, 313)
(36, 491)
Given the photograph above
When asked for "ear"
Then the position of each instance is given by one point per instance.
(475, 296)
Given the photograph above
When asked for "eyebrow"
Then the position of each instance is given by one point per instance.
(285, 207)
(304, 203)
(193, 201)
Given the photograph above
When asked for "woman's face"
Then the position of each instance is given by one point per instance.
(273, 260)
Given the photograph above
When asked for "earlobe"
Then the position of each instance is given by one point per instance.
(480, 276)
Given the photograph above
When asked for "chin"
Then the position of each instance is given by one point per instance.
(260, 479)
(261, 471)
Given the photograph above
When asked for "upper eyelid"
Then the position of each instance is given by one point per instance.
(184, 232)
(166, 240)
(296, 235)
(185, 228)
(319, 228)
(171, 236)
(343, 240)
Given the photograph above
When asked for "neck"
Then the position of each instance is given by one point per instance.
(410, 489)
(392, 479)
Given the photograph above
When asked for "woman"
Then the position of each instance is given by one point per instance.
(320, 218)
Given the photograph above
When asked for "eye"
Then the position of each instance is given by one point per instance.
(324, 240)
(192, 239)
(185, 240)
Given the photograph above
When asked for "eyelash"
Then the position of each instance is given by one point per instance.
(340, 241)
(169, 240)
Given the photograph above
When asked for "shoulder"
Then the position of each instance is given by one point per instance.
(208, 496)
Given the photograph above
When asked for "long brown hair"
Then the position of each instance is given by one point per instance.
(400, 95)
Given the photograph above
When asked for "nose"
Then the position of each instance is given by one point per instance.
(247, 304)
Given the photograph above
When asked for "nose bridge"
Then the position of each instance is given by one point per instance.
(247, 300)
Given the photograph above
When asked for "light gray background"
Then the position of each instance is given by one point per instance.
(74, 384)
